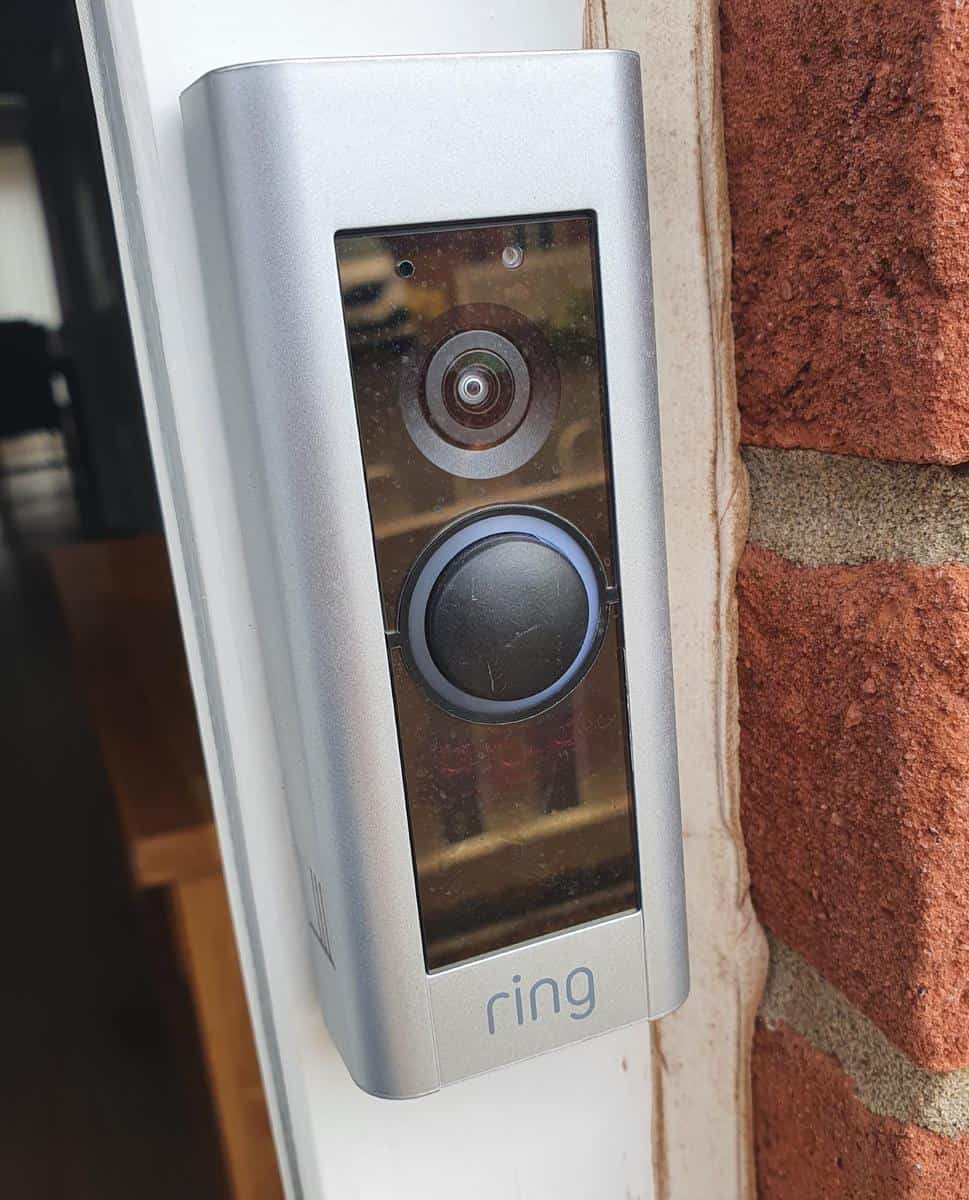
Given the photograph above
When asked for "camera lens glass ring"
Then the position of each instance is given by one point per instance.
(476, 389)
(479, 394)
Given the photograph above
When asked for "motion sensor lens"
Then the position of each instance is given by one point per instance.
(513, 257)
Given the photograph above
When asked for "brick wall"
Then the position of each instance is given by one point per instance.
(847, 140)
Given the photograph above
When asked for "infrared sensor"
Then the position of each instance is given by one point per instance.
(438, 388)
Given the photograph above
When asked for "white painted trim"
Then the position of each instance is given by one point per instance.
(702, 1143)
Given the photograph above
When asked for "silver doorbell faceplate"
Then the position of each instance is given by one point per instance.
(430, 303)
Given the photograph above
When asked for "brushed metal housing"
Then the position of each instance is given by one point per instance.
(282, 156)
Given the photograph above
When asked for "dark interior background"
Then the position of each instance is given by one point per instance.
(102, 1094)
(45, 104)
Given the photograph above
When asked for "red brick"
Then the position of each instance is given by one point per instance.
(854, 714)
(847, 140)
(814, 1140)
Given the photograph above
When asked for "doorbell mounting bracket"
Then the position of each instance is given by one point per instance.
(430, 306)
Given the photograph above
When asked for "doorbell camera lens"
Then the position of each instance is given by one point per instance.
(481, 399)
(478, 392)
(405, 268)
(473, 388)
(476, 389)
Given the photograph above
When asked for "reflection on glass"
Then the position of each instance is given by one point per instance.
(518, 830)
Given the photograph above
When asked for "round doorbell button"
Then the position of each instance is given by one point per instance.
(506, 617)
(503, 614)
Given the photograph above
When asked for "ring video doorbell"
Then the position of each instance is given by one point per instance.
(429, 296)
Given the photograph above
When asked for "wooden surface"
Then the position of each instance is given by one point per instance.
(120, 610)
(205, 933)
